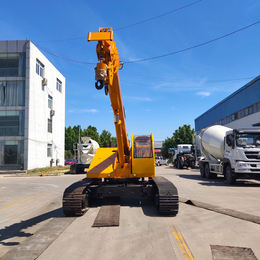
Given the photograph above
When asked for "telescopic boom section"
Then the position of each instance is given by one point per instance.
(106, 75)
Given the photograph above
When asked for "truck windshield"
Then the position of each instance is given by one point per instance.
(248, 140)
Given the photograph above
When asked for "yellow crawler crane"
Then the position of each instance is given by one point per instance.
(125, 170)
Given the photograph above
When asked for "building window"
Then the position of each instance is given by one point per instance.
(258, 106)
(49, 101)
(59, 85)
(246, 111)
(250, 110)
(12, 64)
(12, 123)
(39, 68)
(49, 125)
(49, 150)
(12, 93)
(12, 152)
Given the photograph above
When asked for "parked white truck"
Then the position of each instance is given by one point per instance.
(234, 153)
(85, 151)
(184, 156)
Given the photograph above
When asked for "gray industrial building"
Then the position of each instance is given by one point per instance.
(239, 110)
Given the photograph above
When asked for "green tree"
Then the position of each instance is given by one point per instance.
(70, 139)
(114, 141)
(105, 138)
(91, 132)
(68, 154)
(168, 143)
(183, 135)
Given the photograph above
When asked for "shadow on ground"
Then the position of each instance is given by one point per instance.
(16, 230)
(219, 181)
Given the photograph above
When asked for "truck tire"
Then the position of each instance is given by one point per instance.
(202, 170)
(180, 162)
(230, 175)
(192, 165)
(207, 171)
(175, 164)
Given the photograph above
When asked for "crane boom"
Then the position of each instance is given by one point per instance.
(106, 75)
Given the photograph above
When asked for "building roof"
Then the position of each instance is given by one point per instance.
(248, 95)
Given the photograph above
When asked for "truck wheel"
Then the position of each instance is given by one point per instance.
(174, 164)
(202, 170)
(230, 175)
(192, 165)
(180, 161)
(207, 171)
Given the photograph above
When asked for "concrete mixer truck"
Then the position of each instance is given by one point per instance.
(234, 153)
(85, 151)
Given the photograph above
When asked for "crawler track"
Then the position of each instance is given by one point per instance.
(77, 196)
(167, 199)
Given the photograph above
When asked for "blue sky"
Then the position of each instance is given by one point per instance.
(159, 94)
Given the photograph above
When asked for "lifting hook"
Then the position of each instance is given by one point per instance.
(99, 84)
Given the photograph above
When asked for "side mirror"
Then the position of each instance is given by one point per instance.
(228, 140)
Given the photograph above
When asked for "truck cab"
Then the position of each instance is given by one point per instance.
(184, 156)
(242, 151)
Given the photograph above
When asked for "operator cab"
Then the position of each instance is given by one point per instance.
(143, 156)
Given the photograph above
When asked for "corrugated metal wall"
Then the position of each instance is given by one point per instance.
(242, 98)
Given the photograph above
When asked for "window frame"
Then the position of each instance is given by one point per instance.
(50, 102)
(49, 150)
(59, 85)
(49, 125)
(39, 68)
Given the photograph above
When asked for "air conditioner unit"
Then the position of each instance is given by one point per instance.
(52, 112)
(44, 81)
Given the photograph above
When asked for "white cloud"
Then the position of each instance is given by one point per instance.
(80, 111)
(141, 98)
(93, 111)
(203, 93)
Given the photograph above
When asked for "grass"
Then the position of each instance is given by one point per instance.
(48, 171)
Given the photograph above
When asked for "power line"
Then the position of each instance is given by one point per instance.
(60, 57)
(127, 26)
(64, 40)
(181, 80)
(158, 16)
(195, 46)
(160, 56)
(141, 76)
(208, 83)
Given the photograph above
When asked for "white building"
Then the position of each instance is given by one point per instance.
(32, 108)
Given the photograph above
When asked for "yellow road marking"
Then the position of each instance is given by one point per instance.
(183, 246)
(21, 200)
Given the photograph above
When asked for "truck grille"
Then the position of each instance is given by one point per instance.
(252, 155)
